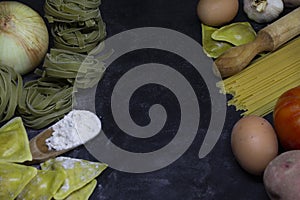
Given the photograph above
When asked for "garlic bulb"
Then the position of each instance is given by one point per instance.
(263, 11)
(23, 37)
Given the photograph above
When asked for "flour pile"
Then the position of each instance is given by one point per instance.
(76, 128)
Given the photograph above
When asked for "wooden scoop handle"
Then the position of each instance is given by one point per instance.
(268, 39)
(39, 149)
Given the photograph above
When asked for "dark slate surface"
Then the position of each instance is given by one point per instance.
(217, 176)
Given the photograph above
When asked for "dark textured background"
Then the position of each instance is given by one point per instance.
(218, 176)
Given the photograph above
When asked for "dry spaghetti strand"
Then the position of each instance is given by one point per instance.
(256, 89)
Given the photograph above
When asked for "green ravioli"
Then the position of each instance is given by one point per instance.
(43, 186)
(236, 33)
(78, 173)
(83, 193)
(212, 48)
(13, 178)
(14, 143)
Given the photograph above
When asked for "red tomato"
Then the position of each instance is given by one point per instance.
(287, 119)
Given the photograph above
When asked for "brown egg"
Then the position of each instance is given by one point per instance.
(217, 12)
(254, 143)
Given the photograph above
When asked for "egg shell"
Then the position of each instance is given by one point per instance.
(217, 12)
(254, 143)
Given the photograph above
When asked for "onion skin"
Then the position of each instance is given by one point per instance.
(24, 37)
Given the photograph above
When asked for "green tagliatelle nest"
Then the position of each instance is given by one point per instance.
(39, 103)
(44, 101)
(85, 70)
(49, 98)
(11, 84)
(77, 29)
(75, 25)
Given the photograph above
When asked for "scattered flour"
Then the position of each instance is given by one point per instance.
(66, 162)
(76, 128)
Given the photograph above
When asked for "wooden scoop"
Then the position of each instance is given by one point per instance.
(39, 149)
(268, 39)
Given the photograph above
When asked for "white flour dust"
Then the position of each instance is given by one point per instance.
(76, 128)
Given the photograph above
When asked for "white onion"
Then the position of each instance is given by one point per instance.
(24, 37)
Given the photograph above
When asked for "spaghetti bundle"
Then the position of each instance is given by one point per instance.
(256, 89)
